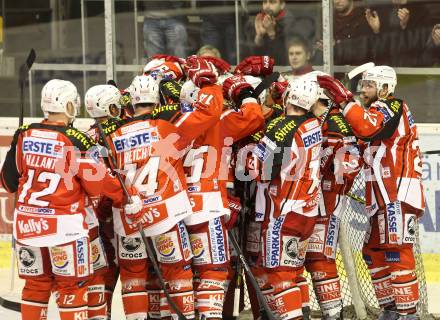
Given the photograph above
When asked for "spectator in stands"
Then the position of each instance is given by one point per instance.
(274, 26)
(218, 28)
(164, 29)
(431, 52)
(353, 34)
(402, 28)
(299, 54)
(210, 51)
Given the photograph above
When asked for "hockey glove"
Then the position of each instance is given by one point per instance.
(334, 89)
(133, 211)
(236, 89)
(276, 91)
(200, 71)
(235, 207)
(256, 66)
(221, 65)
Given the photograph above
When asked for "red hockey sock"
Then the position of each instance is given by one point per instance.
(35, 298)
(406, 291)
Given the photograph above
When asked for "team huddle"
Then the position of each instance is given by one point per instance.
(191, 155)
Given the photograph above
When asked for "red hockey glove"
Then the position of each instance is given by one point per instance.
(255, 66)
(235, 207)
(236, 89)
(277, 89)
(334, 89)
(221, 65)
(200, 71)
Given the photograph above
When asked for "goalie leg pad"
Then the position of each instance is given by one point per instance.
(326, 285)
(132, 259)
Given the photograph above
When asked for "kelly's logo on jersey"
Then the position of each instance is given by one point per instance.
(137, 140)
(44, 147)
(28, 227)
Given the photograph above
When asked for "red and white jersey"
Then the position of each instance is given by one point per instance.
(340, 162)
(200, 128)
(53, 168)
(393, 164)
(236, 125)
(290, 152)
(146, 151)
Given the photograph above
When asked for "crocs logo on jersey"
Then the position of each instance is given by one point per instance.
(44, 147)
(313, 138)
(196, 246)
(27, 257)
(165, 245)
(129, 142)
(131, 244)
(59, 257)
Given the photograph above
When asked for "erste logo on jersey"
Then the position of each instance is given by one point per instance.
(43, 147)
(312, 138)
(142, 138)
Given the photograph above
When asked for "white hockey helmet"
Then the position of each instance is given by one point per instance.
(189, 92)
(153, 65)
(144, 89)
(55, 96)
(381, 75)
(98, 100)
(313, 77)
(301, 92)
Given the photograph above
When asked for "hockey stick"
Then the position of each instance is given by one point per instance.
(10, 305)
(239, 267)
(22, 77)
(265, 84)
(147, 241)
(265, 311)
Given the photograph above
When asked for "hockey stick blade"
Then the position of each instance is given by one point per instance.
(360, 69)
(10, 305)
(265, 84)
(25, 67)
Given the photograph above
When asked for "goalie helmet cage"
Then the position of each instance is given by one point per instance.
(358, 295)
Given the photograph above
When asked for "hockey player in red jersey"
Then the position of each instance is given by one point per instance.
(289, 152)
(148, 151)
(102, 103)
(52, 167)
(339, 166)
(394, 192)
